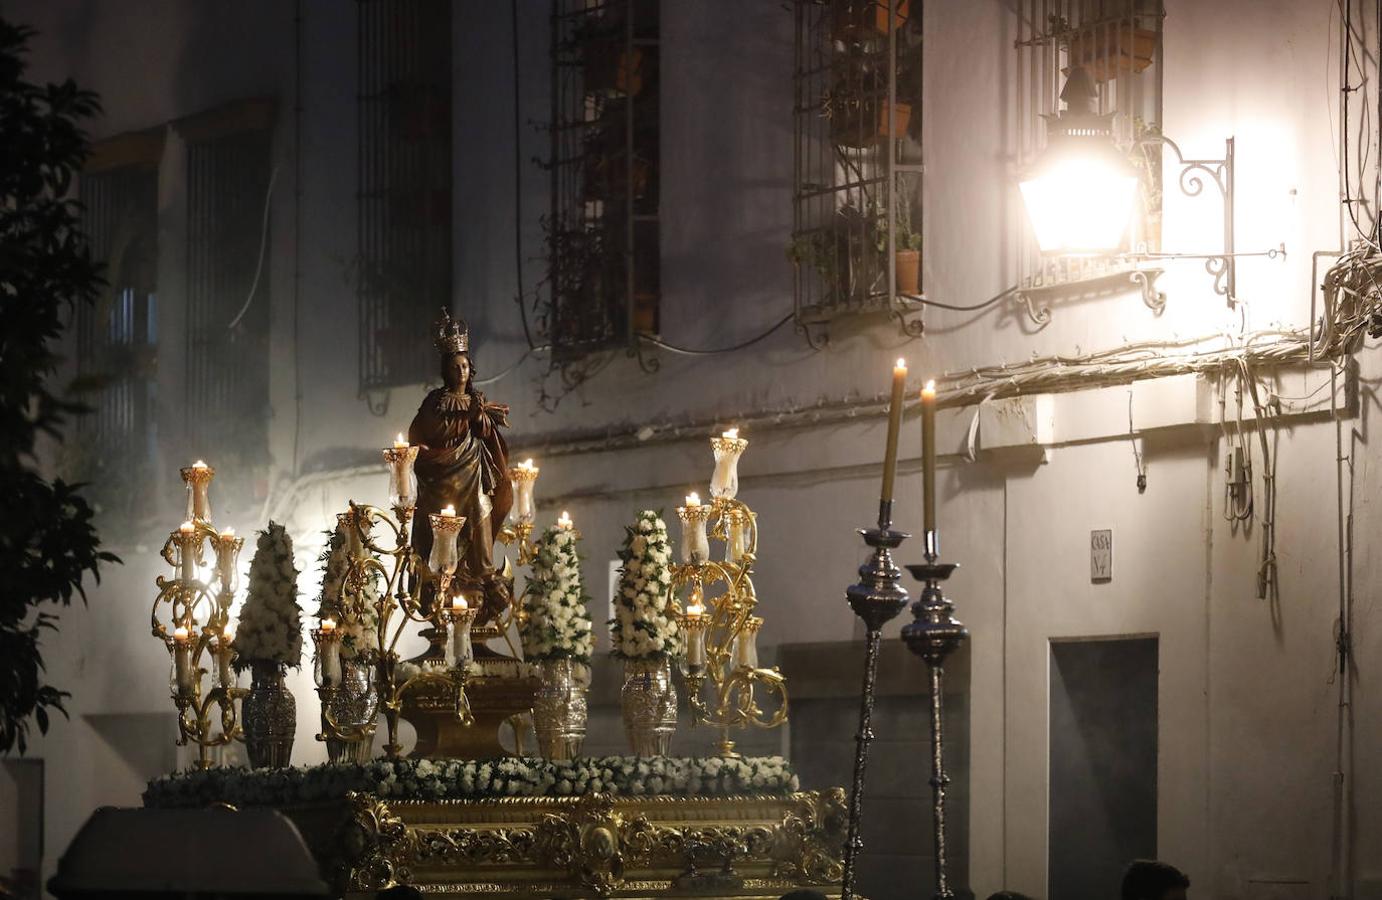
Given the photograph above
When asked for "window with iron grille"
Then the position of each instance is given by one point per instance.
(229, 167)
(117, 337)
(404, 257)
(857, 218)
(602, 233)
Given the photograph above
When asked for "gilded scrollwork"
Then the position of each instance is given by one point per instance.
(597, 845)
(377, 843)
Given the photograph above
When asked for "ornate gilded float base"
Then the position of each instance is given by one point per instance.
(501, 692)
(592, 846)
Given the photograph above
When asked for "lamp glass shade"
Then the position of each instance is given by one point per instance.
(1080, 198)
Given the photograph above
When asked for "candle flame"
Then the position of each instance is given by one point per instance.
(400, 442)
(199, 464)
(930, 388)
(187, 527)
(229, 631)
(693, 499)
(732, 434)
(526, 465)
(902, 364)
(227, 532)
(458, 602)
(449, 511)
(328, 625)
(695, 610)
(180, 633)
(564, 520)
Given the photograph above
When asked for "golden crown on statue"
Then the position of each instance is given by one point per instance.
(453, 335)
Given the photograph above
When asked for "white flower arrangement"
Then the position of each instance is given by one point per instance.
(358, 636)
(424, 779)
(270, 629)
(556, 620)
(644, 626)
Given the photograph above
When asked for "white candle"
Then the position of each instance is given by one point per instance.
(728, 447)
(695, 547)
(187, 555)
(223, 658)
(523, 476)
(746, 648)
(331, 654)
(695, 636)
(182, 659)
(460, 639)
(564, 521)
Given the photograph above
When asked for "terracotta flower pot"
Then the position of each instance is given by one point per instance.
(907, 271)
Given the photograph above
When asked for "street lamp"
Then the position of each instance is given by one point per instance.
(1081, 192)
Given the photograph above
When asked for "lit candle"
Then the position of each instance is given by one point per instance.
(400, 442)
(695, 547)
(446, 526)
(523, 476)
(458, 603)
(695, 635)
(894, 426)
(928, 459)
(182, 660)
(187, 554)
(449, 511)
(198, 479)
(461, 651)
(727, 448)
(402, 479)
(224, 656)
(564, 521)
(330, 654)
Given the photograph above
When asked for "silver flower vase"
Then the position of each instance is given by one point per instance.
(559, 709)
(353, 707)
(269, 717)
(649, 702)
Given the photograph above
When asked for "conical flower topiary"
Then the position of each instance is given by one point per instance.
(644, 626)
(556, 621)
(359, 635)
(270, 629)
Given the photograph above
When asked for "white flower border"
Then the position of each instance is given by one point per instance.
(457, 779)
(556, 622)
(644, 626)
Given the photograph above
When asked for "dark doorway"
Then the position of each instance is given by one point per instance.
(1103, 763)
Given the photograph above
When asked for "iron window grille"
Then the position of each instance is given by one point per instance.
(858, 159)
(117, 337)
(602, 232)
(404, 243)
(229, 169)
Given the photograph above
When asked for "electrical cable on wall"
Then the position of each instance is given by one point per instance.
(263, 246)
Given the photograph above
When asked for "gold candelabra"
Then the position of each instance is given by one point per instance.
(198, 599)
(400, 576)
(721, 629)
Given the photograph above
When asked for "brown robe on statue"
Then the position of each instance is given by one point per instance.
(462, 456)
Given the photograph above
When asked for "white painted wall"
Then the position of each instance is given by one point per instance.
(1247, 694)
